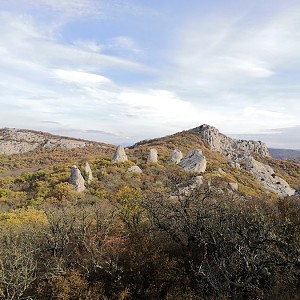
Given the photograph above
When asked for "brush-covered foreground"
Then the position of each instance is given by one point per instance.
(136, 236)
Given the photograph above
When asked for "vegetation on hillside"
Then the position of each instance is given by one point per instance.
(137, 236)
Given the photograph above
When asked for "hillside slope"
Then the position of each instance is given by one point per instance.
(13, 141)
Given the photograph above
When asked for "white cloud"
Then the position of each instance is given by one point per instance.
(82, 78)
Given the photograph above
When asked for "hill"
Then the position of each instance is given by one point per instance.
(285, 154)
(13, 141)
(138, 229)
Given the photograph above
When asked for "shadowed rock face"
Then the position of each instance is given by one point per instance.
(88, 172)
(135, 169)
(194, 161)
(76, 179)
(152, 157)
(175, 157)
(228, 146)
(120, 155)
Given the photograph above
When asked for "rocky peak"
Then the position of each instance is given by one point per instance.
(229, 146)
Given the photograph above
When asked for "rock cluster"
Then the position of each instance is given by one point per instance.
(76, 179)
(152, 157)
(228, 146)
(194, 161)
(175, 157)
(120, 155)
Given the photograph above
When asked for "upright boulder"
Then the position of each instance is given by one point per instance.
(76, 179)
(152, 157)
(120, 155)
(88, 173)
(194, 161)
(175, 157)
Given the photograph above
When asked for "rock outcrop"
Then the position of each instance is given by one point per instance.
(229, 146)
(152, 157)
(240, 154)
(175, 157)
(135, 169)
(120, 155)
(267, 177)
(88, 173)
(76, 179)
(194, 161)
(14, 141)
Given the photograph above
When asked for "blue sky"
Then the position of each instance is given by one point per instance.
(121, 71)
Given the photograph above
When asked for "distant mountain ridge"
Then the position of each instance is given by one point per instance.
(14, 141)
(285, 154)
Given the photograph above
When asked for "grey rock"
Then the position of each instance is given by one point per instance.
(233, 186)
(175, 157)
(194, 161)
(88, 172)
(120, 155)
(76, 179)
(152, 157)
(13, 141)
(135, 169)
(267, 178)
(228, 146)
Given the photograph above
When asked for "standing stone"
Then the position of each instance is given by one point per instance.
(88, 172)
(135, 169)
(76, 179)
(152, 157)
(120, 155)
(175, 157)
(194, 161)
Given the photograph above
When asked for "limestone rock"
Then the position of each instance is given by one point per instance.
(135, 169)
(233, 186)
(175, 157)
(152, 157)
(13, 141)
(194, 161)
(120, 155)
(267, 178)
(88, 172)
(76, 179)
(228, 146)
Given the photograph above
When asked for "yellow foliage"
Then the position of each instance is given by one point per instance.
(22, 216)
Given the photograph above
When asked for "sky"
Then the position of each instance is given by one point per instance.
(120, 71)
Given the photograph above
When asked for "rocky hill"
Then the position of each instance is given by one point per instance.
(13, 141)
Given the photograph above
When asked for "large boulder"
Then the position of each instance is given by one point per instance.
(152, 157)
(76, 179)
(267, 178)
(175, 157)
(120, 155)
(194, 161)
(135, 169)
(88, 172)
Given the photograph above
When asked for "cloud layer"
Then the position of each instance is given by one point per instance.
(239, 73)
